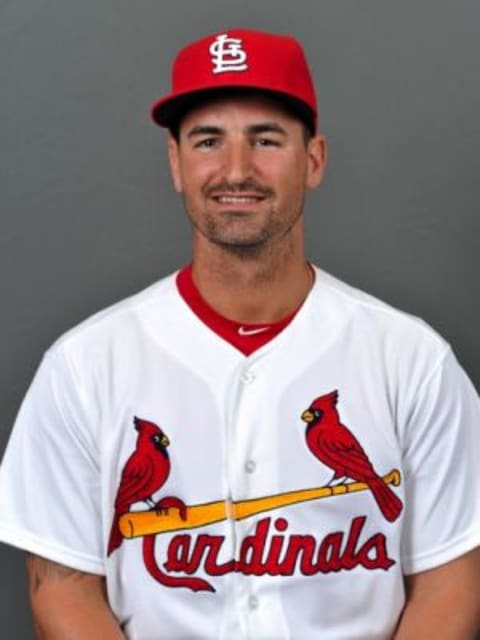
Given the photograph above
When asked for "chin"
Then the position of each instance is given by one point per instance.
(236, 241)
(236, 237)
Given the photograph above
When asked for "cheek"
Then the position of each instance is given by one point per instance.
(195, 175)
(290, 179)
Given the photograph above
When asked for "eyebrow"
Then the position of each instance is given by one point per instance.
(261, 127)
(204, 130)
(267, 127)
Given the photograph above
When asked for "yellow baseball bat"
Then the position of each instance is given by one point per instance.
(143, 523)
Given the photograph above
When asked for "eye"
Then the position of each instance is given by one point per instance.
(206, 143)
(267, 142)
(156, 438)
(318, 413)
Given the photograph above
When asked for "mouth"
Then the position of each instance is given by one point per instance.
(238, 199)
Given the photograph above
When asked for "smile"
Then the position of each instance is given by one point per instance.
(238, 199)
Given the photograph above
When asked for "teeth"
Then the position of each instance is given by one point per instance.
(236, 199)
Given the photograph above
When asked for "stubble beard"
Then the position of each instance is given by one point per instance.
(222, 229)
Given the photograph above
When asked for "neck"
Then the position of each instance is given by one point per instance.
(261, 287)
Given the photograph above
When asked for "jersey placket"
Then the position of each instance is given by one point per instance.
(251, 469)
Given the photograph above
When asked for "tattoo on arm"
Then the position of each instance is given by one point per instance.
(41, 570)
(67, 603)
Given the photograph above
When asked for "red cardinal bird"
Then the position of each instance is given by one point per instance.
(336, 447)
(144, 473)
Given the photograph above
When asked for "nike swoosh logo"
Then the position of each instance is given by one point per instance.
(250, 332)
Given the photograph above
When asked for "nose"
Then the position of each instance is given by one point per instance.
(238, 162)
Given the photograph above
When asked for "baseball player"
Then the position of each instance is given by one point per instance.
(249, 448)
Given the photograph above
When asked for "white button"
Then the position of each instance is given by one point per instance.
(248, 377)
(250, 466)
(253, 602)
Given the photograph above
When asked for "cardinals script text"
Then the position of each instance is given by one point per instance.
(268, 551)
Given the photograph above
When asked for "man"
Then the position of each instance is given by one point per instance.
(249, 448)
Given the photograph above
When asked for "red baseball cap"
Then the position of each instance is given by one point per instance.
(235, 60)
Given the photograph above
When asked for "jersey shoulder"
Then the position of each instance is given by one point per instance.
(367, 313)
(120, 317)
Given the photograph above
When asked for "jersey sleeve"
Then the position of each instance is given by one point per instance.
(49, 477)
(442, 479)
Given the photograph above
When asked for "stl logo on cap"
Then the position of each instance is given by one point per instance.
(227, 54)
(244, 59)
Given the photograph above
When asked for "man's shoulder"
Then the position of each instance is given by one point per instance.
(119, 317)
(371, 314)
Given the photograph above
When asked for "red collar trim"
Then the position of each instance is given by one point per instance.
(245, 337)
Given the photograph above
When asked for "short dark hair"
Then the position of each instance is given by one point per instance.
(295, 108)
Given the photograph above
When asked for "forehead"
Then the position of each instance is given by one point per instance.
(238, 111)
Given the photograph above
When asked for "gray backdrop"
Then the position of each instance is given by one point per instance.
(89, 215)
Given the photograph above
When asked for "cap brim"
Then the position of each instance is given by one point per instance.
(168, 111)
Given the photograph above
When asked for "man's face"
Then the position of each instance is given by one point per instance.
(243, 165)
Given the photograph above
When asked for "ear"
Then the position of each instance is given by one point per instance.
(317, 160)
(174, 160)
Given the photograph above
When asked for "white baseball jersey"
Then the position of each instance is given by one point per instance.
(256, 533)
